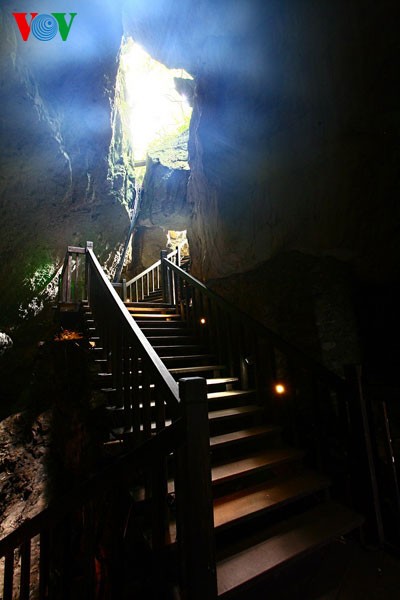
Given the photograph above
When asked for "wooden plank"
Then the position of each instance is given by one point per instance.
(302, 535)
(196, 369)
(243, 434)
(262, 460)
(236, 411)
(271, 495)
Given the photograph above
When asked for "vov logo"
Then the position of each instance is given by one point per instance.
(44, 27)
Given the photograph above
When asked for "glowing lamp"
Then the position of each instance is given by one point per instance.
(202, 321)
(280, 389)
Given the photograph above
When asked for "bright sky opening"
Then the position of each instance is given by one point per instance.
(156, 108)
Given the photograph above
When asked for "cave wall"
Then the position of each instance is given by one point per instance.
(293, 142)
(163, 206)
(56, 185)
(293, 153)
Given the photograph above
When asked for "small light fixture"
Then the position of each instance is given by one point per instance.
(202, 321)
(280, 389)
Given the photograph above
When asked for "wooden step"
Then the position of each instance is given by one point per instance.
(255, 501)
(178, 349)
(150, 311)
(219, 381)
(158, 327)
(258, 461)
(161, 341)
(157, 306)
(233, 412)
(299, 536)
(251, 433)
(196, 369)
(228, 397)
(155, 316)
(187, 358)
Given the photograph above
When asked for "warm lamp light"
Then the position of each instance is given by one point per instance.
(202, 321)
(280, 388)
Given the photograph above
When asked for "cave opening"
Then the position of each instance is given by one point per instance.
(158, 107)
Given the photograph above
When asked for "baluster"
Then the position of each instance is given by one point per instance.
(44, 565)
(25, 570)
(68, 278)
(165, 280)
(160, 408)
(8, 576)
(136, 392)
(127, 378)
(146, 400)
(159, 508)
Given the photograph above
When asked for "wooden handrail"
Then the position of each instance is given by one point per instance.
(186, 435)
(161, 371)
(125, 465)
(150, 280)
(260, 329)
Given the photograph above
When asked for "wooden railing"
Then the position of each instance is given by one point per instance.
(72, 280)
(319, 410)
(57, 554)
(61, 552)
(150, 280)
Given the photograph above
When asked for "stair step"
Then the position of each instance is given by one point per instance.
(237, 411)
(300, 535)
(156, 306)
(177, 349)
(187, 358)
(233, 437)
(230, 394)
(254, 501)
(154, 316)
(162, 341)
(214, 381)
(155, 327)
(196, 369)
(261, 460)
(152, 312)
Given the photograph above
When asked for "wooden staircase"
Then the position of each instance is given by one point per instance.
(210, 483)
(270, 507)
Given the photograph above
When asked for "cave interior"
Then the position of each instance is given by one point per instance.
(284, 188)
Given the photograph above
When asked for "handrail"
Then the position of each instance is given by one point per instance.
(259, 328)
(319, 410)
(150, 280)
(164, 376)
(165, 442)
(68, 526)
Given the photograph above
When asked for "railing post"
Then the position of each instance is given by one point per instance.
(363, 475)
(195, 520)
(124, 291)
(89, 245)
(165, 279)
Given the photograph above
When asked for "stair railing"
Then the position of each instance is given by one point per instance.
(149, 280)
(61, 553)
(143, 386)
(319, 410)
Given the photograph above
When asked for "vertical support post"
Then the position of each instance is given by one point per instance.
(165, 280)
(89, 245)
(195, 524)
(364, 475)
(124, 291)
